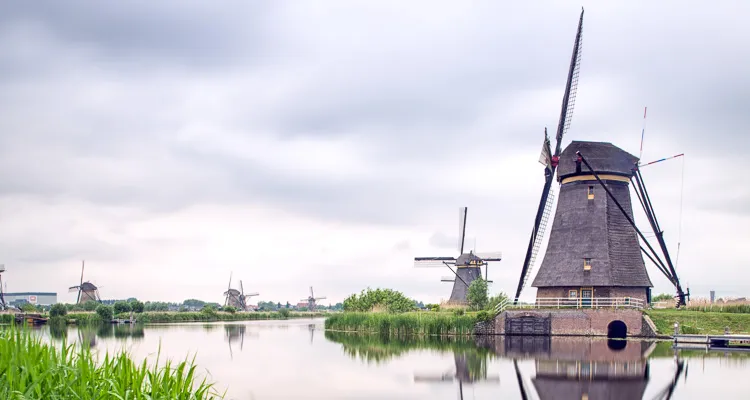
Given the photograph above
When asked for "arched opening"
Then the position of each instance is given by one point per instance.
(617, 330)
(617, 344)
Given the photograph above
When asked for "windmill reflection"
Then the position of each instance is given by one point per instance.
(470, 368)
(581, 368)
(235, 336)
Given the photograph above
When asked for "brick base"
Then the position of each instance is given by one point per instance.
(581, 322)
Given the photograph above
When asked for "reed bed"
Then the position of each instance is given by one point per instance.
(413, 323)
(166, 317)
(31, 369)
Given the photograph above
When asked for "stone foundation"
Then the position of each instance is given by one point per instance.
(579, 322)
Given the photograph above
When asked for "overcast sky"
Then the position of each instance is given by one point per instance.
(327, 144)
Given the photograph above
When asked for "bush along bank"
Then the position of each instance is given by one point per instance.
(200, 316)
(412, 323)
(35, 370)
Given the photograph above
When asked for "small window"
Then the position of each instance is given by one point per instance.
(572, 294)
(586, 264)
(591, 193)
(627, 300)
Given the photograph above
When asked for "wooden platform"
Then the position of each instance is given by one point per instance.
(713, 341)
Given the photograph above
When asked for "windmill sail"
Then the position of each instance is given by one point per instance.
(545, 158)
(566, 114)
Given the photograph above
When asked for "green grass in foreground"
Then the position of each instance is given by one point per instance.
(413, 323)
(30, 369)
(698, 322)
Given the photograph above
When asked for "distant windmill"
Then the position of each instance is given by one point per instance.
(312, 300)
(236, 298)
(87, 291)
(3, 306)
(468, 265)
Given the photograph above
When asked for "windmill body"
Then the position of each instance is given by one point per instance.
(312, 300)
(593, 250)
(466, 268)
(236, 298)
(87, 291)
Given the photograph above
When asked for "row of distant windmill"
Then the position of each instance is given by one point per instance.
(593, 249)
(87, 291)
(238, 298)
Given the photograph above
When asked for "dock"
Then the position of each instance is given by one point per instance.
(709, 342)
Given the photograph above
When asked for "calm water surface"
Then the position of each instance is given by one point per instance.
(296, 359)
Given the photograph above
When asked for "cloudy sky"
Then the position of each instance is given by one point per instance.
(327, 144)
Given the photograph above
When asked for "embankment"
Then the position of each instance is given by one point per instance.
(699, 322)
(171, 317)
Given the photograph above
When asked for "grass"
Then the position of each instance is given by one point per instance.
(31, 369)
(413, 323)
(699, 322)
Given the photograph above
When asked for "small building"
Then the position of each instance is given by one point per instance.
(35, 298)
(593, 250)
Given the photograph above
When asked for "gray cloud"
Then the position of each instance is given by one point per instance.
(161, 107)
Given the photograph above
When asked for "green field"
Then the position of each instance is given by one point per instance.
(699, 322)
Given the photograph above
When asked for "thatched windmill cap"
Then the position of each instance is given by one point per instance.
(604, 158)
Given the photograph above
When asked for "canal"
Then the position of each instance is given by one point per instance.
(297, 359)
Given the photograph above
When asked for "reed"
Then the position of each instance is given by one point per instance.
(413, 323)
(167, 317)
(31, 369)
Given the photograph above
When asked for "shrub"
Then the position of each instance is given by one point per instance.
(28, 307)
(484, 316)
(229, 309)
(90, 305)
(209, 309)
(284, 313)
(493, 301)
(105, 312)
(58, 310)
(389, 300)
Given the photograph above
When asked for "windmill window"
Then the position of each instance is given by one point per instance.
(572, 294)
(591, 193)
(587, 264)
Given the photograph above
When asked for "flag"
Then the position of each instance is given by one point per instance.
(545, 158)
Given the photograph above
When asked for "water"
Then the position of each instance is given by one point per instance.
(296, 359)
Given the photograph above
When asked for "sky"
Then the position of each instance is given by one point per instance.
(296, 144)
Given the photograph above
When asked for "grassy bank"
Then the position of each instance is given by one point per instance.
(699, 322)
(413, 323)
(35, 370)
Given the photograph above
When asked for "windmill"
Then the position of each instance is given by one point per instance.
(593, 248)
(468, 265)
(470, 367)
(87, 291)
(312, 300)
(3, 306)
(236, 298)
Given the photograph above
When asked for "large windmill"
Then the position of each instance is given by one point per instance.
(593, 250)
(236, 298)
(468, 265)
(312, 300)
(87, 291)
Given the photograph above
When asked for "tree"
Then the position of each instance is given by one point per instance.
(477, 296)
(105, 312)
(90, 305)
(288, 305)
(229, 309)
(137, 306)
(28, 307)
(58, 310)
(122, 307)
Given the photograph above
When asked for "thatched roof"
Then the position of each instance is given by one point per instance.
(605, 158)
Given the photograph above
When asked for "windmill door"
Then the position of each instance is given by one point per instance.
(586, 295)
